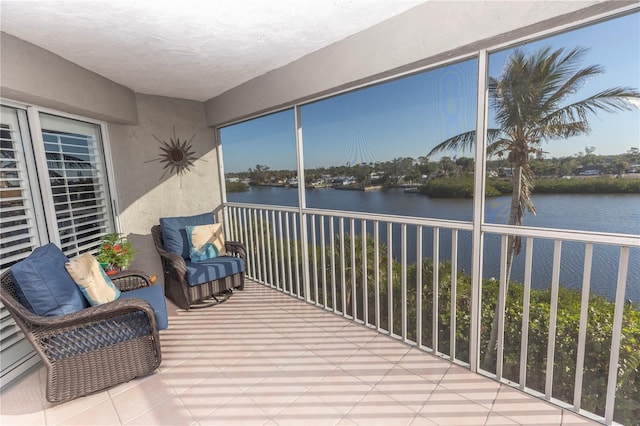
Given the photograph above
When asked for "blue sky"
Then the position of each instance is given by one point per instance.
(409, 116)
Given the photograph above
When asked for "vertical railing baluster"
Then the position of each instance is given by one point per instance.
(239, 235)
(403, 280)
(333, 263)
(255, 245)
(296, 257)
(276, 253)
(582, 331)
(246, 229)
(436, 289)
(616, 335)
(287, 229)
(264, 231)
(251, 249)
(236, 234)
(376, 260)
(553, 317)
(255, 228)
(282, 260)
(365, 290)
(526, 306)
(343, 272)
(268, 257)
(314, 257)
(354, 294)
(231, 211)
(260, 256)
(453, 323)
(323, 251)
(501, 305)
(390, 277)
(419, 286)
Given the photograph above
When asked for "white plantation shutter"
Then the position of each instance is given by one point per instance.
(53, 188)
(77, 179)
(18, 231)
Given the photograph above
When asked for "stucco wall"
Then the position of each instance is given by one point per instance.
(143, 194)
(427, 34)
(34, 75)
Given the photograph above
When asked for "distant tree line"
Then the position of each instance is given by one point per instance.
(408, 170)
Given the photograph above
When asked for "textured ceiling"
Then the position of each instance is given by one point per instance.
(189, 49)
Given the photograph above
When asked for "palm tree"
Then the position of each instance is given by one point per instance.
(530, 102)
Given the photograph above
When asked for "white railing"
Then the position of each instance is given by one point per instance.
(364, 267)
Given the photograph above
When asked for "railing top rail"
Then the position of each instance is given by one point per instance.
(564, 234)
(409, 220)
(523, 231)
(293, 209)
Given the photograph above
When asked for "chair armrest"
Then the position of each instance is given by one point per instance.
(176, 264)
(236, 248)
(131, 280)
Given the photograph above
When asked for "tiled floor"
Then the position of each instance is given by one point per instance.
(264, 358)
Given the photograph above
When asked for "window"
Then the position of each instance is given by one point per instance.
(260, 160)
(367, 150)
(590, 171)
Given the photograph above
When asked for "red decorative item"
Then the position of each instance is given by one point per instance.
(112, 270)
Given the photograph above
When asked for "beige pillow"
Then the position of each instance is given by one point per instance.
(94, 283)
(205, 242)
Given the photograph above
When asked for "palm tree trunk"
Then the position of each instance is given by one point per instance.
(515, 218)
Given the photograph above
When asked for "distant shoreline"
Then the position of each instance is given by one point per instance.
(463, 187)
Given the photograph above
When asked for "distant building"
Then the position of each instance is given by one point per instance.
(375, 176)
(591, 170)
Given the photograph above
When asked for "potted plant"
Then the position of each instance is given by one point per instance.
(115, 253)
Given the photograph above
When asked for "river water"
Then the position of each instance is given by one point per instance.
(616, 213)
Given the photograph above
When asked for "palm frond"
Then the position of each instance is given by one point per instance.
(498, 147)
(610, 100)
(460, 142)
(561, 129)
(570, 85)
(464, 141)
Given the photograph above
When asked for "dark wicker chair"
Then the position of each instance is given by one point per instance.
(95, 348)
(203, 295)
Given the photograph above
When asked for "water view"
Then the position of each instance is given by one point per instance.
(616, 213)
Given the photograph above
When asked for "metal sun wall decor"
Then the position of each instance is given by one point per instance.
(176, 155)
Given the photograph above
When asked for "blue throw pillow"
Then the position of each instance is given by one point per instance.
(174, 236)
(44, 286)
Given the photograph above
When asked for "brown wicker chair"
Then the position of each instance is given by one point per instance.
(93, 349)
(206, 294)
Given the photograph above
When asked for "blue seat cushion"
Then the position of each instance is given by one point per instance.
(155, 296)
(43, 284)
(174, 235)
(213, 269)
